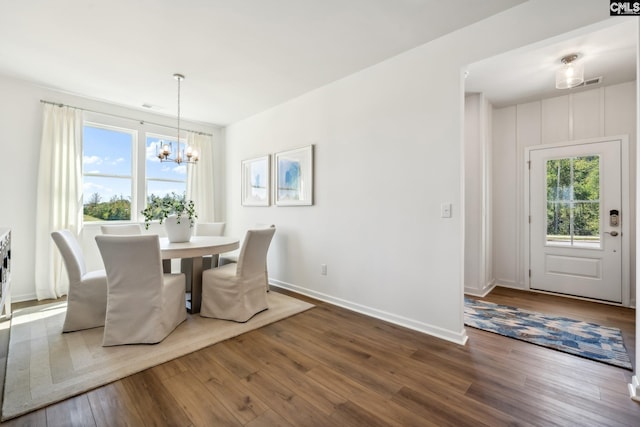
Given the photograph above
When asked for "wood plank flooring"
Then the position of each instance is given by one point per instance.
(332, 367)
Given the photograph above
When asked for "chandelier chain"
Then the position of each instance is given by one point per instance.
(179, 81)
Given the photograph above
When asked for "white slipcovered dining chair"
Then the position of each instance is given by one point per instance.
(121, 229)
(236, 291)
(229, 257)
(87, 296)
(144, 305)
(232, 257)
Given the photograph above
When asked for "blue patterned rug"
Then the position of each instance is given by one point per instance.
(583, 339)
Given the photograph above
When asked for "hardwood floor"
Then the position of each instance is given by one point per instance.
(332, 367)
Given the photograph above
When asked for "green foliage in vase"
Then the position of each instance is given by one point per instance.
(171, 204)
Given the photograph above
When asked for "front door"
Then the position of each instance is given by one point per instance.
(575, 217)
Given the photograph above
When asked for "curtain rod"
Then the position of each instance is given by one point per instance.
(59, 104)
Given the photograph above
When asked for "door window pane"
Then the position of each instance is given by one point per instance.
(573, 201)
(558, 222)
(586, 220)
(559, 180)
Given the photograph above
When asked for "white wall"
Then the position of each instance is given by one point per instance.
(605, 111)
(478, 241)
(388, 153)
(388, 143)
(21, 123)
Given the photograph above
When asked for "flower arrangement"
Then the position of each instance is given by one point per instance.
(162, 207)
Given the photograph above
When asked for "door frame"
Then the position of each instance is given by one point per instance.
(625, 224)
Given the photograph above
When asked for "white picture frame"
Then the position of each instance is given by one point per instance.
(256, 180)
(294, 177)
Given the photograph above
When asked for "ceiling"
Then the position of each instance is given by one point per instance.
(239, 57)
(243, 57)
(607, 50)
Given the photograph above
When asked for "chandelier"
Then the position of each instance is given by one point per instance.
(187, 155)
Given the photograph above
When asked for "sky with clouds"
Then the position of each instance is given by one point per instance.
(110, 152)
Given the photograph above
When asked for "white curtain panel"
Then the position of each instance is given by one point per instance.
(59, 203)
(200, 177)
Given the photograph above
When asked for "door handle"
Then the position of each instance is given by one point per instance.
(612, 233)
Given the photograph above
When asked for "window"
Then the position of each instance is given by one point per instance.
(120, 174)
(573, 201)
(107, 172)
(163, 178)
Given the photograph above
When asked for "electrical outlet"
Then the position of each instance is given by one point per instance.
(323, 269)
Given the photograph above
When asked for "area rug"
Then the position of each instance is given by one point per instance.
(583, 339)
(45, 366)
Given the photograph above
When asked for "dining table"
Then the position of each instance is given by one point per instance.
(195, 249)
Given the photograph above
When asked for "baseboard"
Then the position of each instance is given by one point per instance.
(480, 293)
(23, 297)
(634, 388)
(457, 338)
(509, 284)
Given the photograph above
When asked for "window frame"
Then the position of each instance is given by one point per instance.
(139, 131)
(131, 177)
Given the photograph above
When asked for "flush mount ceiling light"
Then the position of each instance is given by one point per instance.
(187, 155)
(571, 73)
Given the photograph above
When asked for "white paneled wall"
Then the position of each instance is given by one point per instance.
(478, 262)
(605, 111)
(587, 115)
(505, 233)
(554, 121)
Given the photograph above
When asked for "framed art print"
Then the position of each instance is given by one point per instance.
(294, 177)
(255, 181)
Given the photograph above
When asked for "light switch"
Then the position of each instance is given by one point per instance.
(445, 210)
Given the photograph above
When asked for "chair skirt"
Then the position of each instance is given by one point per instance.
(153, 324)
(87, 303)
(226, 296)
